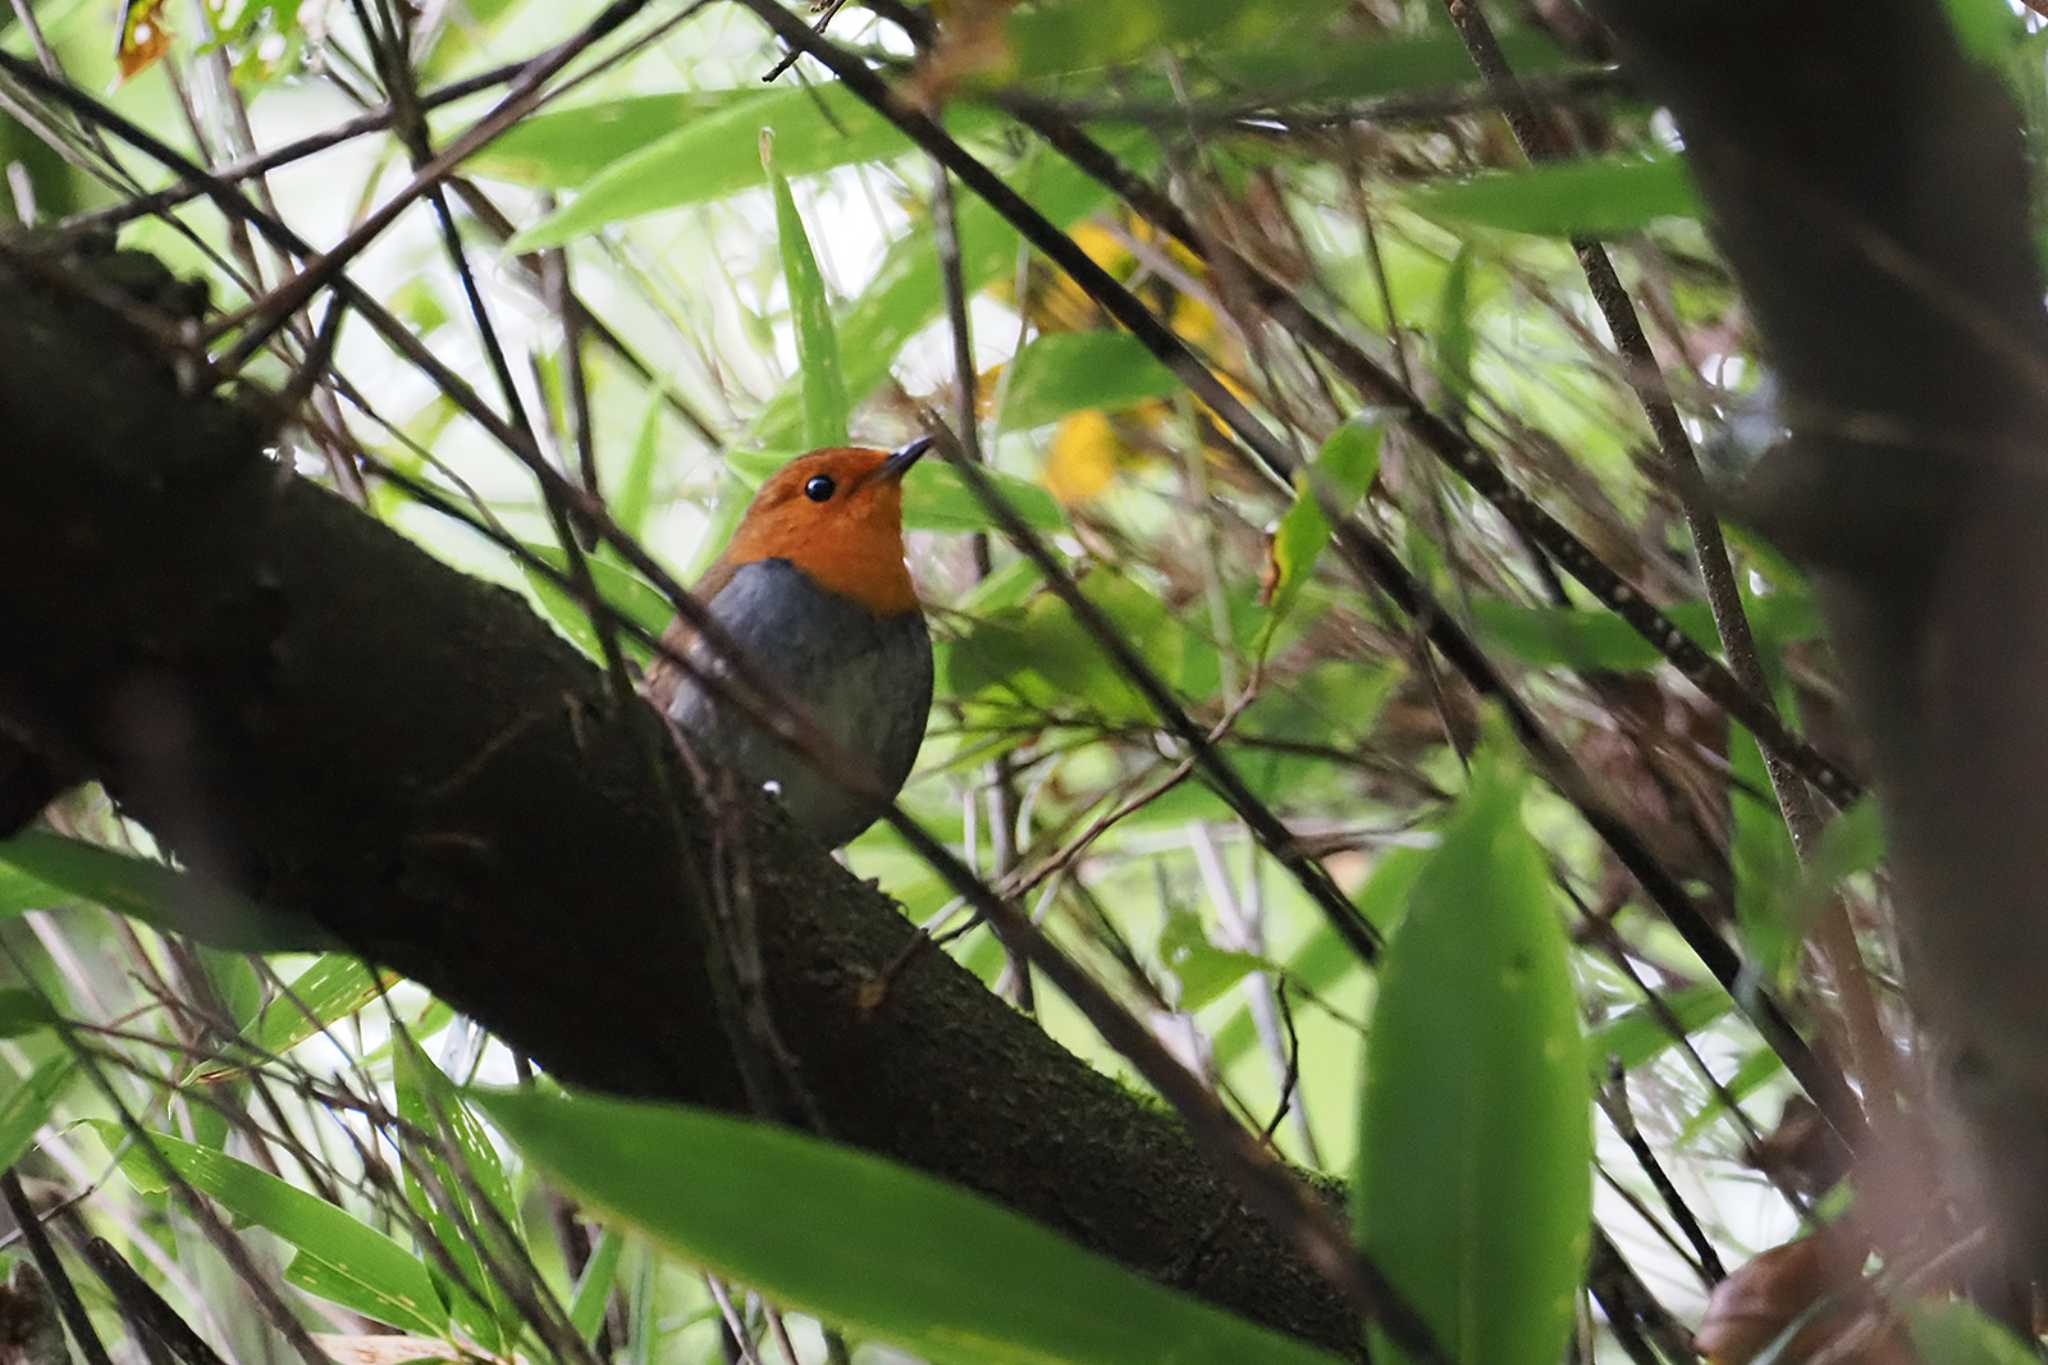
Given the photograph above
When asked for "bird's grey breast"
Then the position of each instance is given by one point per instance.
(867, 680)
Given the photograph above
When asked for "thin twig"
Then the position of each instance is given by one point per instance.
(54, 1274)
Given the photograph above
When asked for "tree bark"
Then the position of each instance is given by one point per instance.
(314, 712)
(1865, 177)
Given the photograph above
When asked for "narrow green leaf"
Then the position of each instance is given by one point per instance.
(1473, 1193)
(339, 1259)
(1341, 473)
(1065, 372)
(27, 1105)
(1599, 197)
(600, 1273)
(164, 899)
(331, 989)
(905, 293)
(817, 346)
(563, 148)
(816, 128)
(459, 1219)
(884, 1250)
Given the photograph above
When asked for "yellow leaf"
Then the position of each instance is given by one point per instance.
(1083, 458)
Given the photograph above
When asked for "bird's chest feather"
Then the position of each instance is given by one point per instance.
(866, 679)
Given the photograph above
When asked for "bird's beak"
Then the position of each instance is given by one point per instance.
(903, 457)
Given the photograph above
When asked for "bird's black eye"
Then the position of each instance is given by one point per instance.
(819, 487)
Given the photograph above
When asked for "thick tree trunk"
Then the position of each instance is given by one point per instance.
(1866, 179)
(314, 711)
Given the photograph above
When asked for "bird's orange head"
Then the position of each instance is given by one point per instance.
(837, 515)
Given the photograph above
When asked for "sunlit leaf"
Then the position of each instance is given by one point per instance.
(1473, 1190)
(852, 1238)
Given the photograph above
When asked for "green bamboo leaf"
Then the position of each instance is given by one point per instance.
(905, 293)
(1599, 197)
(1065, 372)
(26, 1106)
(161, 897)
(816, 128)
(817, 346)
(1475, 1138)
(562, 148)
(458, 1217)
(339, 1259)
(1344, 468)
(865, 1243)
(330, 990)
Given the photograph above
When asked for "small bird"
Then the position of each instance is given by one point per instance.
(813, 587)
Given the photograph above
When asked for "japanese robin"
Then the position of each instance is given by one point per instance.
(813, 587)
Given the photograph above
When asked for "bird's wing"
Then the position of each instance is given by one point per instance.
(663, 677)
